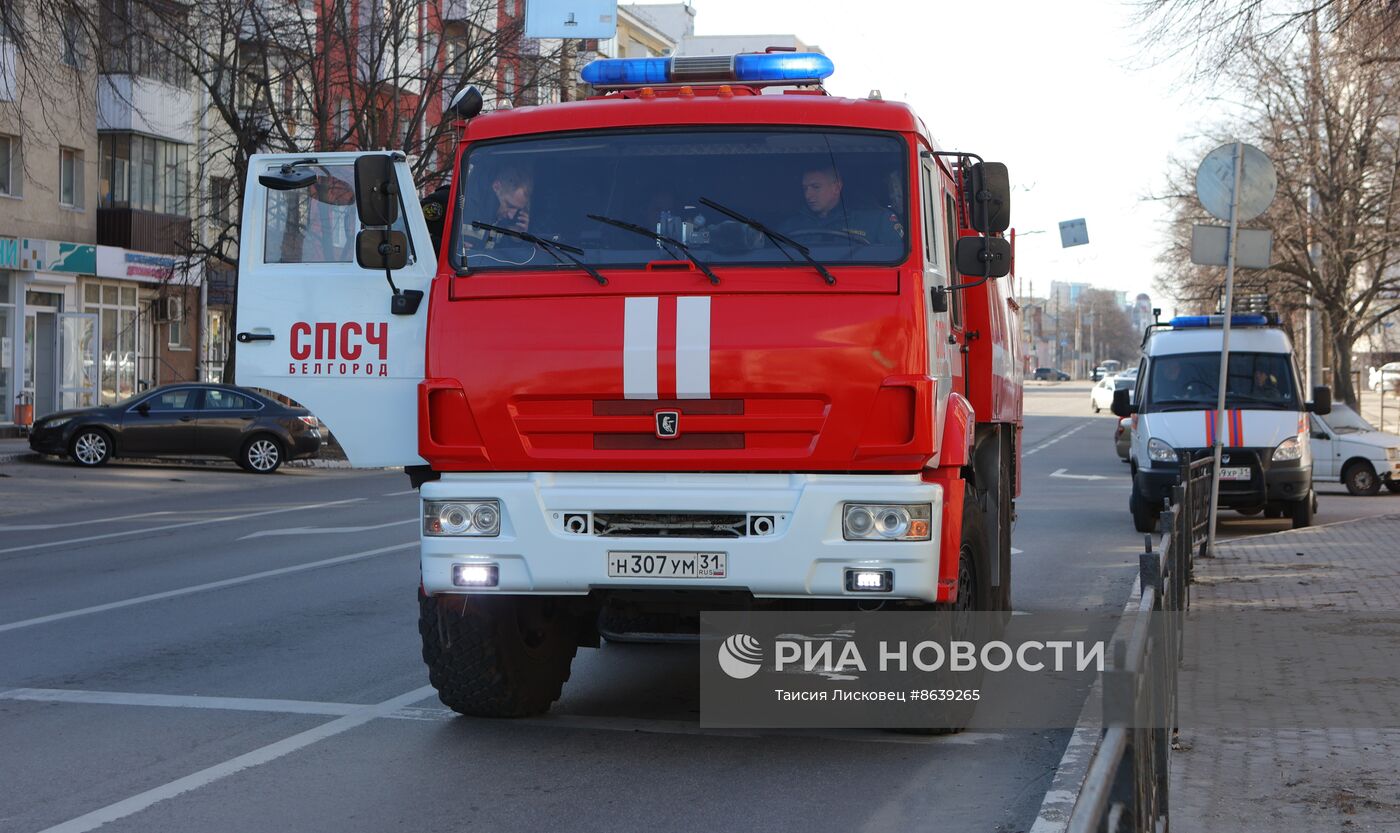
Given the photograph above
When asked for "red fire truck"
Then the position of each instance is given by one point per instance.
(709, 339)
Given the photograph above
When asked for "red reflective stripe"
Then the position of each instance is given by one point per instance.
(1210, 428)
(1237, 429)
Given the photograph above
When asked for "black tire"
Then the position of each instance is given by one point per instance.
(1273, 512)
(91, 447)
(1250, 510)
(261, 454)
(1361, 480)
(496, 656)
(1393, 485)
(1302, 511)
(1094, 403)
(1144, 518)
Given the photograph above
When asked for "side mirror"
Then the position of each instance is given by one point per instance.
(376, 190)
(1122, 403)
(974, 256)
(287, 178)
(987, 188)
(1321, 435)
(1321, 403)
(143, 409)
(377, 248)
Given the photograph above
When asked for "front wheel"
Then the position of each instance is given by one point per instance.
(91, 447)
(1144, 517)
(496, 656)
(261, 455)
(1361, 480)
(1302, 512)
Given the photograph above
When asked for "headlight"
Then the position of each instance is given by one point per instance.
(886, 521)
(1392, 453)
(1289, 449)
(54, 423)
(481, 518)
(1160, 452)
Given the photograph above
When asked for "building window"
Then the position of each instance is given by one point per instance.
(70, 178)
(178, 328)
(220, 200)
(71, 49)
(510, 8)
(144, 173)
(11, 171)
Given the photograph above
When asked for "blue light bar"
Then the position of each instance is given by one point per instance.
(1242, 320)
(749, 67)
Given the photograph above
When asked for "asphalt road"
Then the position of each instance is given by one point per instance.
(197, 649)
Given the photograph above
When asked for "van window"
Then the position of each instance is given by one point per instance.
(1188, 382)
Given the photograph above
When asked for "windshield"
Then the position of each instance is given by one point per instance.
(1344, 420)
(1187, 381)
(839, 193)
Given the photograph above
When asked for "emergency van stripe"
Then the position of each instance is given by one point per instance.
(1236, 429)
(693, 348)
(639, 348)
(1210, 428)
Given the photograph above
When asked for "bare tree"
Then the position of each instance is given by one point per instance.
(1329, 117)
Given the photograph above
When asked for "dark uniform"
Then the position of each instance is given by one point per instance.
(435, 213)
(875, 226)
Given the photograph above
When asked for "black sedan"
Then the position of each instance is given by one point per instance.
(183, 420)
(1049, 374)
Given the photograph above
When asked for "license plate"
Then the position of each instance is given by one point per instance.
(666, 565)
(1234, 473)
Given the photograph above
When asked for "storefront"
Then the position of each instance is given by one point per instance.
(48, 344)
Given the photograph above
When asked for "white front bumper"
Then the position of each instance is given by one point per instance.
(806, 556)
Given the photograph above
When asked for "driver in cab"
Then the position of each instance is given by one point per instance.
(825, 219)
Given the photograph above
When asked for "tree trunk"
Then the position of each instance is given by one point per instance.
(1342, 387)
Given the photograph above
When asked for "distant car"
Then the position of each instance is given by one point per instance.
(1099, 373)
(1349, 449)
(1123, 437)
(183, 420)
(1101, 395)
(1049, 374)
(1386, 376)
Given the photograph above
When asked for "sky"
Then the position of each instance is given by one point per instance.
(1060, 91)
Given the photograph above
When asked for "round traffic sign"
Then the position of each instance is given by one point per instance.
(1216, 175)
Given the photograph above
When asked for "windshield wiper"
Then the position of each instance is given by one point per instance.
(779, 239)
(671, 244)
(553, 248)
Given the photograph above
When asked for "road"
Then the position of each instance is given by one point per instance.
(197, 649)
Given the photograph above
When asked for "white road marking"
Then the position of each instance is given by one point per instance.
(407, 712)
(271, 752)
(199, 588)
(329, 530)
(1015, 551)
(203, 522)
(28, 527)
(1076, 429)
(396, 494)
(1064, 474)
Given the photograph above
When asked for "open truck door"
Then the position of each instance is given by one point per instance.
(317, 325)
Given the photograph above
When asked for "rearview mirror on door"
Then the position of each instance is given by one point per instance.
(983, 256)
(377, 248)
(987, 186)
(376, 191)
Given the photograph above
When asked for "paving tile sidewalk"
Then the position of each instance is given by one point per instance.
(1273, 780)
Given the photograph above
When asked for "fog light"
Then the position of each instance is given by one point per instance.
(870, 581)
(475, 575)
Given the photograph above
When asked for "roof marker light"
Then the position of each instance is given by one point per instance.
(748, 67)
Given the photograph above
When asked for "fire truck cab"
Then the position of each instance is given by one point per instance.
(710, 339)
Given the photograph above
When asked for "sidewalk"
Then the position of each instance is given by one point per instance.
(1294, 779)
(14, 450)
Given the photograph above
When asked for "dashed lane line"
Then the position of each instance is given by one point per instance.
(31, 527)
(204, 522)
(200, 588)
(1076, 429)
(325, 530)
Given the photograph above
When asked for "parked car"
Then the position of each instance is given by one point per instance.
(1387, 376)
(1101, 395)
(1049, 374)
(1348, 448)
(183, 420)
(1123, 437)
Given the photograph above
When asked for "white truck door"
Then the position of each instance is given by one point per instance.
(315, 326)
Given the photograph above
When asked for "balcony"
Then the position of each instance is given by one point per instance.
(145, 105)
(144, 231)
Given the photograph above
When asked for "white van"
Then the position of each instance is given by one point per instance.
(1266, 465)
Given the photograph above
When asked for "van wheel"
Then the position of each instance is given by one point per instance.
(1144, 517)
(1360, 479)
(1302, 511)
(496, 656)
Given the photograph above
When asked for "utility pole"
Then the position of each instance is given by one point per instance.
(1314, 330)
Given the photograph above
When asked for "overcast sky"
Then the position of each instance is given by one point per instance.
(1056, 90)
